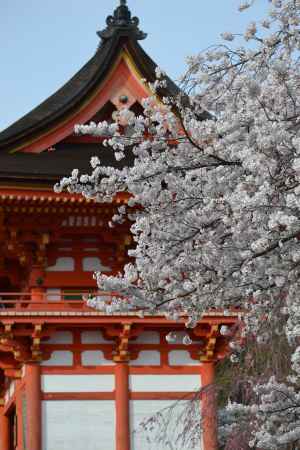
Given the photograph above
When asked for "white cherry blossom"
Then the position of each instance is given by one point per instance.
(216, 179)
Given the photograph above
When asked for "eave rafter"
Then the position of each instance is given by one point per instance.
(16, 349)
(28, 248)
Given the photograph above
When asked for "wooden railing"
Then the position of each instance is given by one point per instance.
(45, 301)
(12, 303)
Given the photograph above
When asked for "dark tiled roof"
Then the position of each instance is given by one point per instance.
(74, 92)
(51, 166)
(65, 100)
(121, 32)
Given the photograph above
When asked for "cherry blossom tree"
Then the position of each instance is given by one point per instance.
(214, 196)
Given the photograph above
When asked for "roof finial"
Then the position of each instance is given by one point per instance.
(122, 23)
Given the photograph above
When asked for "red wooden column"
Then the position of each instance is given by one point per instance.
(33, 400)
(122, 406)
(209, 408)
(4, 430)
(19, 394)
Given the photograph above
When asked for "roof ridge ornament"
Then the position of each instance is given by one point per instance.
(122, 22)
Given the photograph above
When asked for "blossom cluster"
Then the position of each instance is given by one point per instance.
(217, 181)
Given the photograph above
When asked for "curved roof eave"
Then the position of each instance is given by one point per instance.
(69, 97)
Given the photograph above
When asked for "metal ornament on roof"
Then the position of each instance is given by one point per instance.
(122, 23)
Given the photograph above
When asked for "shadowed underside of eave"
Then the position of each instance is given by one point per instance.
(54, 165)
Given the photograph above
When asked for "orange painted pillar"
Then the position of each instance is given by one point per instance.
(209, 408)
(122, 406)
(33, 401)
(19, 394)
(4, 430)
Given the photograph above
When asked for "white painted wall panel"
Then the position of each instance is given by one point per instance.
(59, 358)
(78, 425)
(142, 410)
(53, 295)
(147, 358)
(92, 264)
(148, 337)
(181, 358)
(63, 264)
(78, 383)
(61, 337)
(95, 358)
(93, 337)
(181, 334)
(164, 383)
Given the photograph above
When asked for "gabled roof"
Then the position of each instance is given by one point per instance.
(122, 33)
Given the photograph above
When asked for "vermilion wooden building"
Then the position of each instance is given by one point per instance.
(72, 377)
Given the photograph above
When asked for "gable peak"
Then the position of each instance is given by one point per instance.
(123, 23)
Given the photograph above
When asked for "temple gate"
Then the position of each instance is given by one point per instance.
(72, 377)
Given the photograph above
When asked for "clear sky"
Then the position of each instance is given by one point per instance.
(44, 42)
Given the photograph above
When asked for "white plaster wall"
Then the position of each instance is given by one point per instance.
(63, 264)
(93, 337)
(141, 410)
(78, 425)
(164, 383)
(78, 383)
(181, 334)
(92, 263)
(147, 358)
(181, 358)
(59, 358)
(61, 337)
(53, 295)
(148, 337)
(94, 358)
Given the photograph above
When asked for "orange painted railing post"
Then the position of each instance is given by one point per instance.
(36, 281)
(4, 430)
(37, 295)
(33, 399)
(209, 408)
(122, 406)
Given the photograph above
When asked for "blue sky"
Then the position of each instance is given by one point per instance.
(44, 42)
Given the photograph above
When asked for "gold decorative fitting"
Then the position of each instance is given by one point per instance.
(122, 354)
(208, 353)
